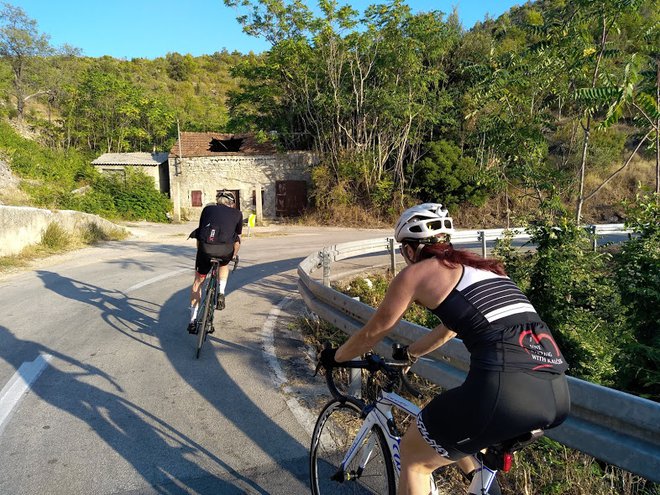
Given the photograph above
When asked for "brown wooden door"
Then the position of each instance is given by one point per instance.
(291, 197)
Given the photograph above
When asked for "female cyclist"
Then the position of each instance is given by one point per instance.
(516, 381)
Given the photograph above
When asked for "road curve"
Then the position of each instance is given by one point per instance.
(112, 399)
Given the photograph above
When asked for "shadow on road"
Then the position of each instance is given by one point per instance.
(131, 316)
(130, 430)
(175, 463)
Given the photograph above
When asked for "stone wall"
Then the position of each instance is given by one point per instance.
(21, 226)
(242, 173)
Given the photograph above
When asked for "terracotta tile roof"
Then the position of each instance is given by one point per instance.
(151, 159)
(199, 144)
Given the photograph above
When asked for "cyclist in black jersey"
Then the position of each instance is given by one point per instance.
(218, 236)
(516, 381)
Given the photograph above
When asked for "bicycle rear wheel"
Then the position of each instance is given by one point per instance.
(207, 317)
(334, 432)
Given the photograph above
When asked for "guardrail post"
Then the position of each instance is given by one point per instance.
(390, 247)
(325, 262)
(592, 230)
(482, 238)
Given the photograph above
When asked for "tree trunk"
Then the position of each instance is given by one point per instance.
(657, 127)
(583, 166)
(587, 128)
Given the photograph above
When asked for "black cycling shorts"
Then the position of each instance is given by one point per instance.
(490, 407)
(223, 252)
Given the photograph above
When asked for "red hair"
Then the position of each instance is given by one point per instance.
(451, 257)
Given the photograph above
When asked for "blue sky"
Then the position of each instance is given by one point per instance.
(152, 28)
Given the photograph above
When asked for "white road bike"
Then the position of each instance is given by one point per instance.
(356, 444)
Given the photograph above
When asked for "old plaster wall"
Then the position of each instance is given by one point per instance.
(21, 226)
(242, 173)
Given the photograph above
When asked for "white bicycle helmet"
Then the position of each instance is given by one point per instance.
(222, 194)
(423, 223)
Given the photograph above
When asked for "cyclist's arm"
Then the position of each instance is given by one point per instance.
(397, 299)
(431, 341)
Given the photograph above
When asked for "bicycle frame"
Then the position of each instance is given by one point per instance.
(380, 413)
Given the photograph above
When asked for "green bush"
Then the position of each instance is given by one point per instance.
(445, 175)
(134, 197)
(572, 289)
(371, 290)
(638, 280)
(30, 160)
(93, 201)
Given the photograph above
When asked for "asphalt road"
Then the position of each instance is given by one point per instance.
(101, 393)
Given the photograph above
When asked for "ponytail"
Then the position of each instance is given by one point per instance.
(445, 252)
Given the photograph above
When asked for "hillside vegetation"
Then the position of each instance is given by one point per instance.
(553, 101)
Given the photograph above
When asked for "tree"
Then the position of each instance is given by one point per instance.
(595, 45)
(22, 44)
(365, 92)
(180, 67)
(444, 175)
(105, 111)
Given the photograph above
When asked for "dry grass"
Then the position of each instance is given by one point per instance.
(346, 216)
(56, 240)
(606, 207)
(13, 196)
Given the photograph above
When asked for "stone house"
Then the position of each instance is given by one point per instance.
(264, 181)
(153, 164)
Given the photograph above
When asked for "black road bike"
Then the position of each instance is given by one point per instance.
(209, 302)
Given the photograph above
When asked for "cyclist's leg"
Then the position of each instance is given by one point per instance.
(202, 267)
(418, 461)
(223, 274)
(196, 291)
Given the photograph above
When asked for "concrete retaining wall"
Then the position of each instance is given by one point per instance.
(21, 226)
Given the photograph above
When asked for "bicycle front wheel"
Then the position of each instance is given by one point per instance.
(333, 435)
(207, 317)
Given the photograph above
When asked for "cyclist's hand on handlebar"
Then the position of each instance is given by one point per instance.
(327, 358)
(400, 353)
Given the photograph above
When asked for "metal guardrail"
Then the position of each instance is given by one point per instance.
(618, 428)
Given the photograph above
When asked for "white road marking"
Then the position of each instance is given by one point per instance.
(302, 415)
(20, 383)
(157, 279)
